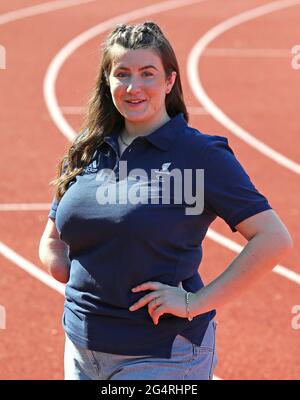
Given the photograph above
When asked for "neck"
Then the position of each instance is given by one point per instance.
(144, 128)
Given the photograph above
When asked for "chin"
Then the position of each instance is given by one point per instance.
(137, 118)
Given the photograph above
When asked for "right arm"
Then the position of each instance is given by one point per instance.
(54, 253)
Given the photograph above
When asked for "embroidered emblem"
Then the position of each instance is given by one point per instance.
(163, 171)
(92, 167)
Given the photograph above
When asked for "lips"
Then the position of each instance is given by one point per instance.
(135, 101)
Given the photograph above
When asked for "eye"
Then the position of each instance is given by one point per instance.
(121, 74)
(147, 73)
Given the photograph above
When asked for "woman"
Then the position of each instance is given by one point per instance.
(136, 307)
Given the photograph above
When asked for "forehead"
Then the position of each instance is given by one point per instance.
(138, 58)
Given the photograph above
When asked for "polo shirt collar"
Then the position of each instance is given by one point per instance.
(162, 137)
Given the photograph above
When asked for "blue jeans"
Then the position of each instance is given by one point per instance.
(188, 361)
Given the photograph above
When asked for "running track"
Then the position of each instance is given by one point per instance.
(238, 82)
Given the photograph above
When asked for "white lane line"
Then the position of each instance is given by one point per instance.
(199, 92)
(24, 206)
(57, 62)
(74, 110)
(235, 247)
(197, 110)
(31, 269)
(39, 9)
(248, 53)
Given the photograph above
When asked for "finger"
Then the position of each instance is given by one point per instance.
(147, 286)
(143, 301)
(158, 312)
(153, 304)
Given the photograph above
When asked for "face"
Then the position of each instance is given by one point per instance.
(138, 86)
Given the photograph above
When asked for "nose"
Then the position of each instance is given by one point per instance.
(133, 86)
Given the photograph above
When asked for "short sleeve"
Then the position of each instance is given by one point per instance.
(53, 208)
(228, 190)
(55, 202)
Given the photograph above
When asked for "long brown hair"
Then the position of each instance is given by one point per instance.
(102, 117)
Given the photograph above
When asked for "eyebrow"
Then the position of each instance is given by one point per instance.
(140, 69)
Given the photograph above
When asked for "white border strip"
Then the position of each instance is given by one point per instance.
(199, 92)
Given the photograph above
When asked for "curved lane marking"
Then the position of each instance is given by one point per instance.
(15, 15)
(199, 92)
(249, 53)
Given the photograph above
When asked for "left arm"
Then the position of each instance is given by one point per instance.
(268, 242)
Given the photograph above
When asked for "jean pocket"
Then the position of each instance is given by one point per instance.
(209, 340)
(206, 354)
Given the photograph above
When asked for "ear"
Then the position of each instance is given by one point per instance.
(170, 81)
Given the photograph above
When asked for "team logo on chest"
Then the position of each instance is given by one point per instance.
(163, 171)
(92, 167)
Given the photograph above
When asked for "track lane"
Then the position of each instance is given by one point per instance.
(31, 346)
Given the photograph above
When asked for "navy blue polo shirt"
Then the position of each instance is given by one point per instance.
(118, 245)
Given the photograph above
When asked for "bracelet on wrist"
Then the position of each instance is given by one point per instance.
(188, 306)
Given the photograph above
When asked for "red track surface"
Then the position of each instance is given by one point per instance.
(255, 336)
